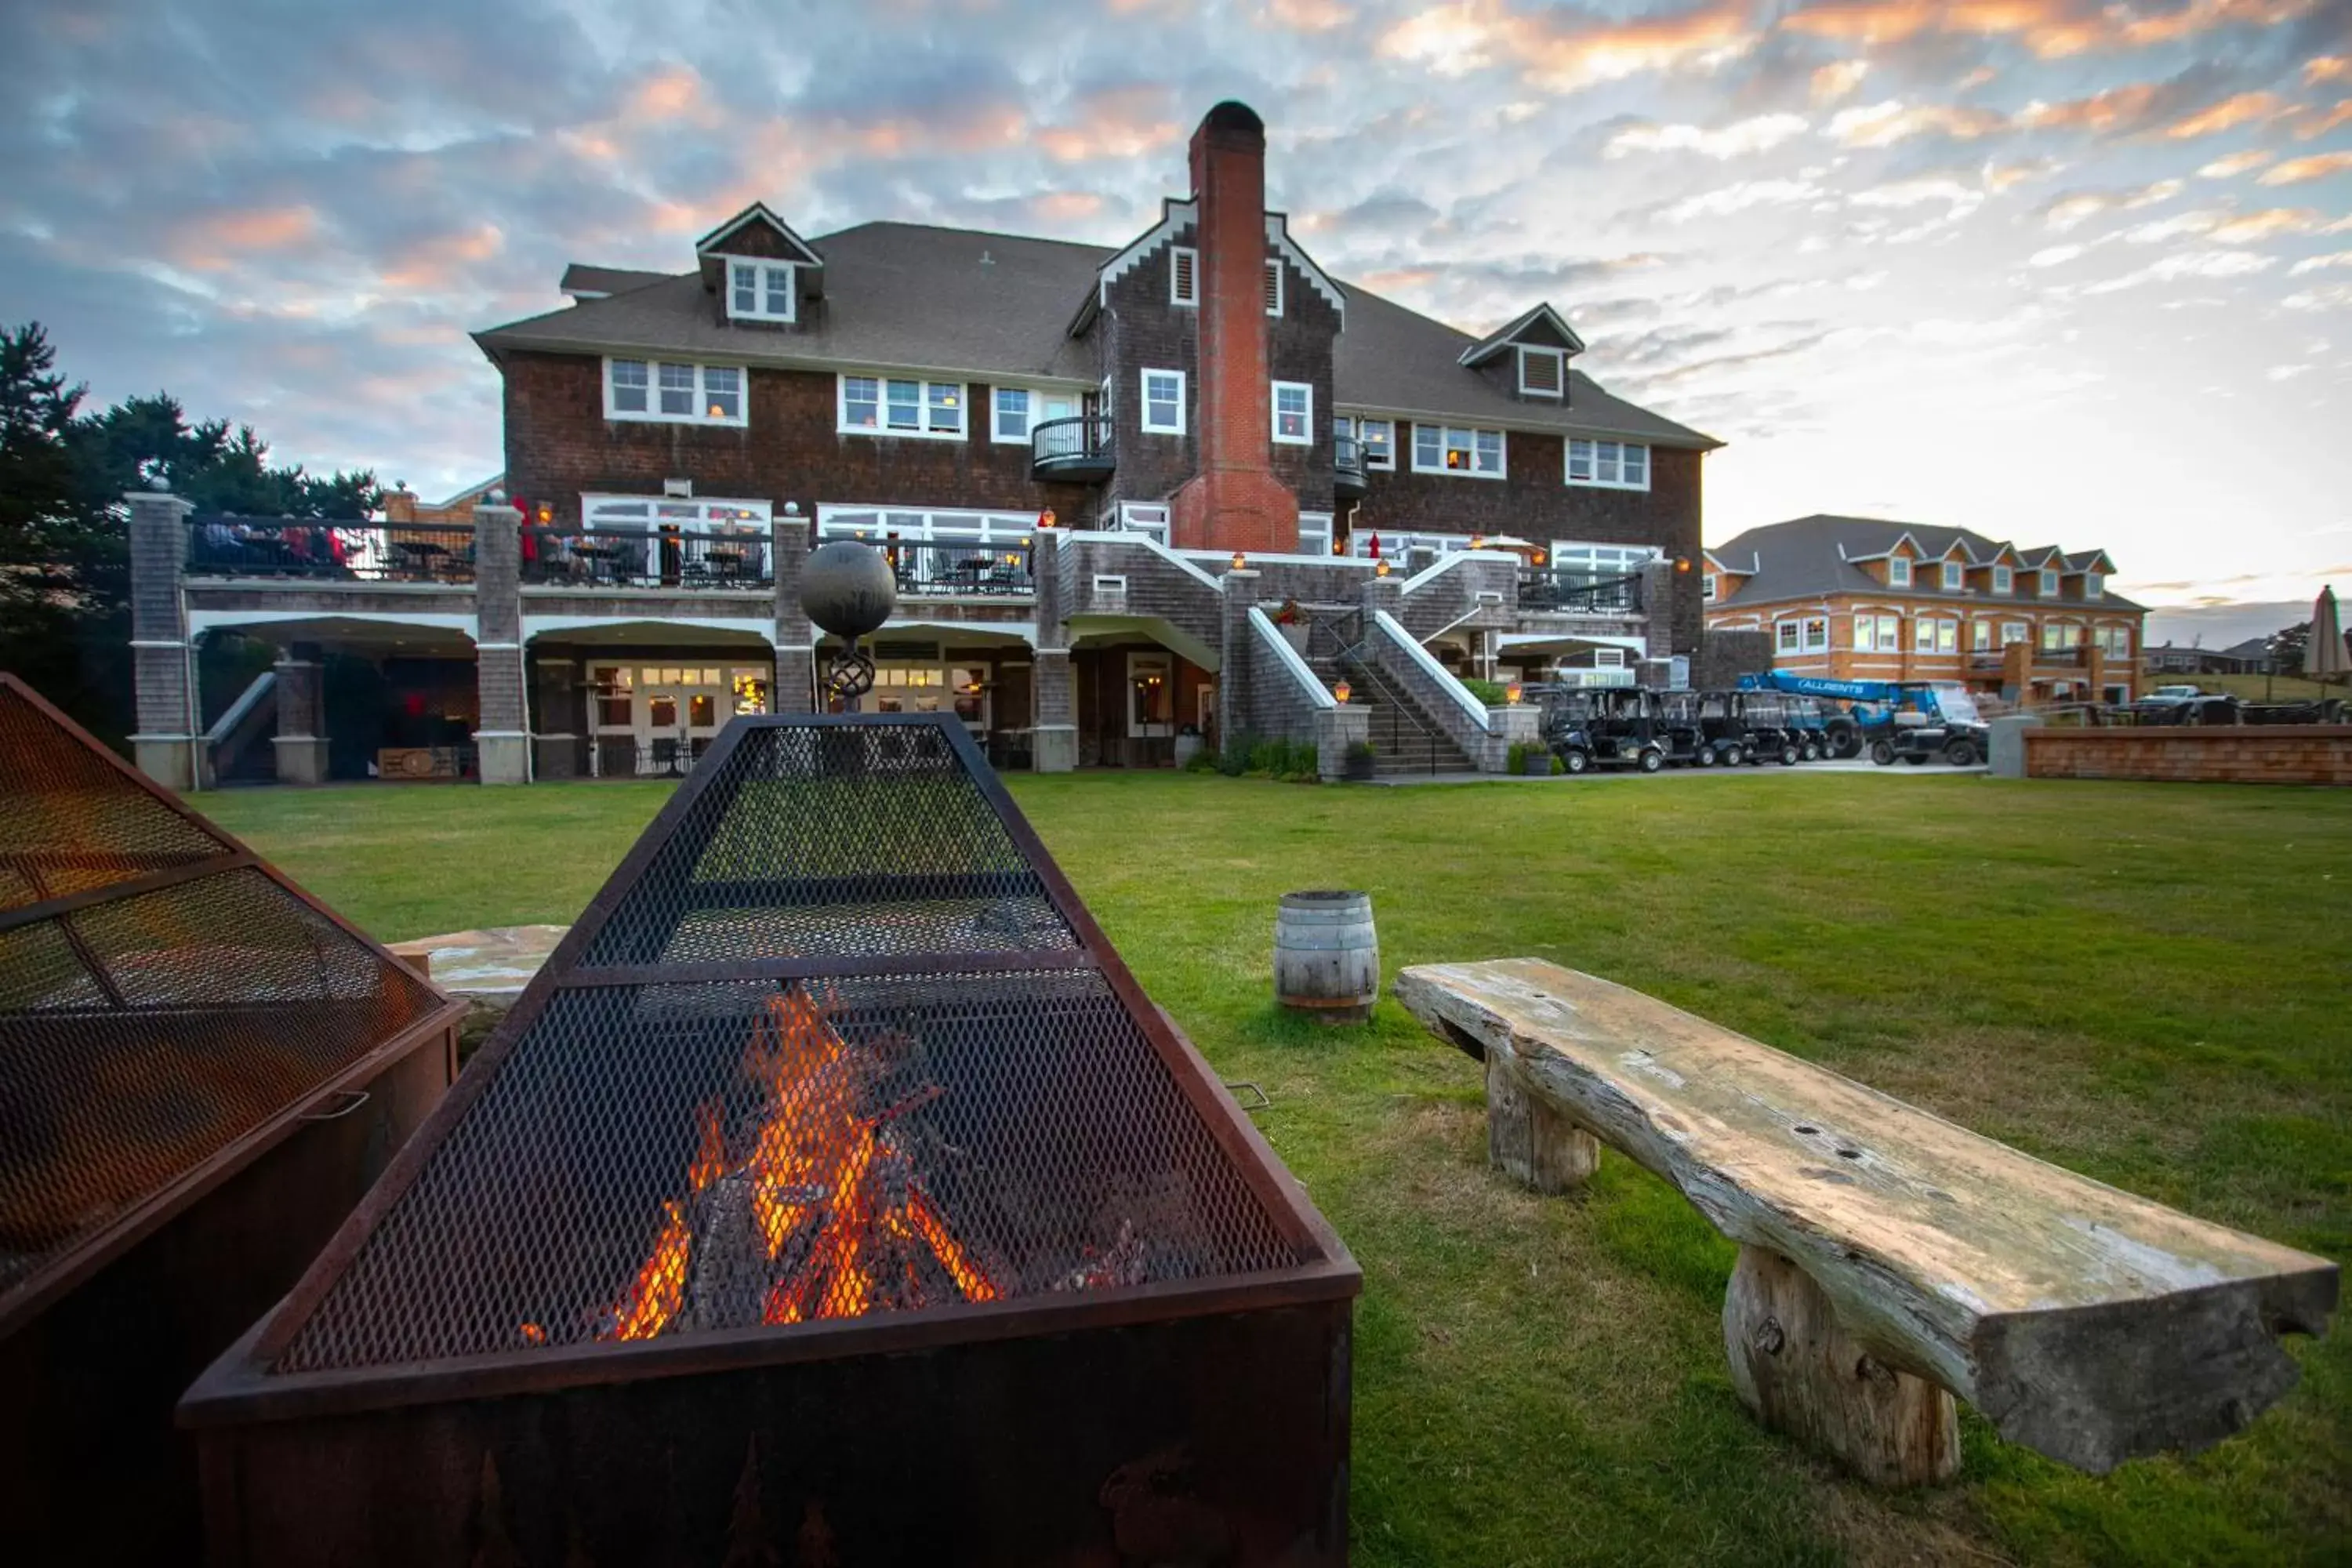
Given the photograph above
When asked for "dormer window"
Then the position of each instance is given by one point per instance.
(1955, 576)
(1184, 276)
(1898, 571)
(2004, 579)
(758, 291)
(1543, 372)
(1273, 287)
(2093, 585)
(2049, 584)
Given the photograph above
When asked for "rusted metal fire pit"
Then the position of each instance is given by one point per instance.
(834, 1194)
(200, 1070)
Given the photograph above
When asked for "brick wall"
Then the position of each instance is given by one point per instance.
(559, 445)
(2283, 753)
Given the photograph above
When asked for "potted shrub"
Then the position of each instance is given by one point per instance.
(1538, 762)
(1359, 764)
(1291, 621)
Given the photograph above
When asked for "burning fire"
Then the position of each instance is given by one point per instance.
(820, 1197)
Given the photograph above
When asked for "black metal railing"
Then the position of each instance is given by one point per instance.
(935, 569)
(1580, 593)
(647, 558)
(1395, 728)
(624, 757)
(329, 549)
(1348, 463)
(1081, 443)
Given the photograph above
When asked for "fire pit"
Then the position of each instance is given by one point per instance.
(200, 1070)
(833, 1193)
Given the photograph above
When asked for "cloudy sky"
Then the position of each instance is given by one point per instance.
(2065, 271)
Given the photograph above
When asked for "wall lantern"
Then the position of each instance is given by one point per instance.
(1682, 562)
(1045, 519)
(1538, 558)
(1478, 542)
(1340, 693)
(1380, 568)
(1513, 692)
(1241, 561)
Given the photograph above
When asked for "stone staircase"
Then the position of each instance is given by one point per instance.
(1405, 740)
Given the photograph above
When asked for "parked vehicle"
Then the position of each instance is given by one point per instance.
(1808, 724)
(1682, 731)
(1721, 728)
(1913, 719)
(1603, 727)
(1764, 715)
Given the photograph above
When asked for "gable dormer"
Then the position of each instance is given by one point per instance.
(1997, 573)
(1950, 570)
(1723, 578)
(1528, 359)
(760, 272)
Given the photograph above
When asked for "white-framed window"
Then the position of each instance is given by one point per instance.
(1293, 414)
(1443, 449)
(2094, 586)
(1878, 633)
(668, 393)
(1163, 402)
(890, 406)
(1543, 372)
(1009, 414)
(1151, 695)
(1817, 633)
(1955, 577)
(2014, 631)
(1898, 571)
(1315, 534)
(1144, 517)
(2060, 635)
(2049, 583)
(1785, 634)
(2004, 579)
(1273, 287)
(1923, 636)
(1981, 638)
(1184, 276)
(1948, 637)
(1580, 558)
(1375, 438)
(1707, 588)
(758, 291)
(1612, 464)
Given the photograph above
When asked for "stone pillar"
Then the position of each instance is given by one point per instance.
(1506, 727)
(1337, 728)
(301, 740)
(165, 740)
(1658, 590)
(1234, 655)
(1056, 738)
(2007, 746)
(1377, 592)
(796, 688)
(557, 736)
(502, 740)
(2016, 671)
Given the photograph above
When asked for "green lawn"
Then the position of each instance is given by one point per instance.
(2151, 985)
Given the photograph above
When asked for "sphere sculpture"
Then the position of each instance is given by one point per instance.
(848, 589)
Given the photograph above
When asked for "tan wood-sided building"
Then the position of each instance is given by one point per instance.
(1859, 598)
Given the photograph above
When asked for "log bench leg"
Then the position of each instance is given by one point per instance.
(1796, 1370)
(1529, 1142)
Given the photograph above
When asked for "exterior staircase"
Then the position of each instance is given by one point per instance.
(1405, 740)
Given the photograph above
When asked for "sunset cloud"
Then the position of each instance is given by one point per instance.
(1836, 80)
(2295, 171)
(217, 241)
(1883, 124)
(2112, 109)
(1563, 51)
(2235, 163)
(1758, 134)
(2238, 109)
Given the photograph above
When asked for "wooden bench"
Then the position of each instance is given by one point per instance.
(1888, 1259)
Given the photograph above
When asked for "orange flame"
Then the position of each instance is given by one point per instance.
(818, 1168)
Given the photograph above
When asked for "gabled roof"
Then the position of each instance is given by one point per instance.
(585, 282)
(1487, 347)
(715, 242)
(1812, 557)
(904, 296)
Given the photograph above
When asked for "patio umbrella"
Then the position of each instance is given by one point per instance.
(1376, 544)
(2324, 655)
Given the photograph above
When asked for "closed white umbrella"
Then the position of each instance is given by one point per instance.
(2324, 658)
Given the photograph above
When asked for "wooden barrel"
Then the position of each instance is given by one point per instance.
(1327, 957)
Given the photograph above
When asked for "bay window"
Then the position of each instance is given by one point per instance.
(676, 394)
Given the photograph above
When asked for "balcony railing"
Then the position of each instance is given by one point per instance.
(1080, 448)
(329, 550)
(1576, 593)
(1349, 481)
(933, 570)
(647, 558)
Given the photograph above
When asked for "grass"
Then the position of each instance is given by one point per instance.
(2147, 984)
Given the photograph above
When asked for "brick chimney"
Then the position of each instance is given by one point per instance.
(1232, 501)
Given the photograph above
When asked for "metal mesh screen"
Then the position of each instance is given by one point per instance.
(666, 1159)
(692, 1132)
(143, 1033)
(70, 822)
